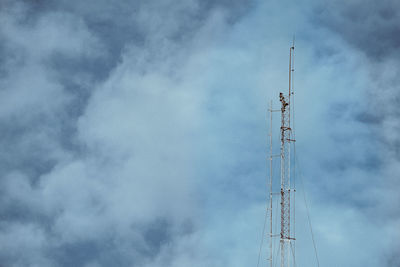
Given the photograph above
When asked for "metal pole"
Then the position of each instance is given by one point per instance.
(270, 185)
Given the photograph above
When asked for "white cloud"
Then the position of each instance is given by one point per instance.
(174, 137)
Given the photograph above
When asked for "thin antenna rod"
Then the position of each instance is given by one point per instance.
(270, 185)
(292, 139)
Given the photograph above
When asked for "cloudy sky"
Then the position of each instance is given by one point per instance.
(134, 133)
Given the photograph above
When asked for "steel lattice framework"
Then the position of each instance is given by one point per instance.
(285, 178)
(286, 138)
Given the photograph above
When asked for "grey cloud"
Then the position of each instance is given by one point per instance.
(77, 189)
(135, 136)
(371, 26)
(393, 260)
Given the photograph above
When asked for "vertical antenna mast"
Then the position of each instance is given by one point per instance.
(287, 222)
(285, 190)
(270, 185)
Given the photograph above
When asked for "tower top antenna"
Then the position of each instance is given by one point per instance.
(294, 37)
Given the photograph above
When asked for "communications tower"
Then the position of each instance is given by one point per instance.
(286, 196)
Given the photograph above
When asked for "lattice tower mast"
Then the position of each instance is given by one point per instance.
(285, 190)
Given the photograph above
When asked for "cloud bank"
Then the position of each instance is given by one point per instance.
(134, 134)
